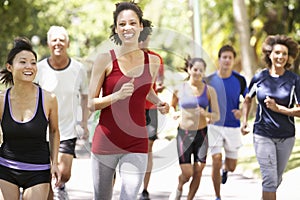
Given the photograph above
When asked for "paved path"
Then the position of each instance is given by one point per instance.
(164, 178)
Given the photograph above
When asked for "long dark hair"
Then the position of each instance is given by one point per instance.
(147, 24)
(189, 63)
(20, 44)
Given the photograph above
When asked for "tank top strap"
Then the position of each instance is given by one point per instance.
(114, 58)
(205, 89)
(6, 103)
(41, 98)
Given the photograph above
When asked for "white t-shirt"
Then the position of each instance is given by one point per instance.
(67, 84)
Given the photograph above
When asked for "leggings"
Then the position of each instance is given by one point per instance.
(132, 168)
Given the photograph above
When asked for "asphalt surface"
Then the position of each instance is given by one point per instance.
(241, 184)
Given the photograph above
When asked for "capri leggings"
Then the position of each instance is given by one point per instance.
(192, 142)
(272, 155)
(132, 167)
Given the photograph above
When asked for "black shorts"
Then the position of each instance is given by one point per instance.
(192, 142)
(68, 146)
(151, 123)
(23, 178)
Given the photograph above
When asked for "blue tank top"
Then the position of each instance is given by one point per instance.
(187, 101)
(25, 141)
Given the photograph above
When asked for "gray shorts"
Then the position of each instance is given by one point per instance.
(272, 155)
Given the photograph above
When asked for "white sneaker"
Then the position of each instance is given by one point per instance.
(175, 195)
(60, 194)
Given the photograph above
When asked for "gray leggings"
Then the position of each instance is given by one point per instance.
(132, 168)
(272, 155)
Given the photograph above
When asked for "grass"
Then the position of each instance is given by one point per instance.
(248, 162)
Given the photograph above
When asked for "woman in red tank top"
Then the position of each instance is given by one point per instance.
(125, 76)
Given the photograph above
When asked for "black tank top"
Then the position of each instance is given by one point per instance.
(25, 141)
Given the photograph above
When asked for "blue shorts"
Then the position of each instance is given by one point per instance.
(23, 178)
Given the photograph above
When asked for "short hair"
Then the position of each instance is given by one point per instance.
(55, 29)
(226, 47)
(271, 40)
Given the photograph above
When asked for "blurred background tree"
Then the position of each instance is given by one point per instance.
(244, 24)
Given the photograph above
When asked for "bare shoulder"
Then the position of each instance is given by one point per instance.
(2, 95)
(155, 59)
(49, 97)
(102, 64)
(103, 59)
(211, 90)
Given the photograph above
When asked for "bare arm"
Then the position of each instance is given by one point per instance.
(101, 68)
(1, 112)
(163, 107)
(54, 137)
(85, 115)
(272, 105)
(245, 113)
(174, 102)
(214, 115)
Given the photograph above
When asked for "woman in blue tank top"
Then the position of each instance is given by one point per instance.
(26, 111)
(277, 90)
(193, 97)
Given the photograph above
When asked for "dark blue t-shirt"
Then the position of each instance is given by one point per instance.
(229, 90)
(285, 89)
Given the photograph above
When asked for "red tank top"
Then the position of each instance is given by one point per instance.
(122, 125)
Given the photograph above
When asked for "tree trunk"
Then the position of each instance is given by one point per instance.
(248, 60)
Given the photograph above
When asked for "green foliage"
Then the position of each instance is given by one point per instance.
(218, 25)
(86, 21)
(88, 24)
(250, 162)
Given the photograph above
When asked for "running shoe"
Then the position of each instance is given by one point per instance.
(224, 176)
(145, 195)
(60, 194)
(175, 195)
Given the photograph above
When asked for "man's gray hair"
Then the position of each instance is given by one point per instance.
(55, 29)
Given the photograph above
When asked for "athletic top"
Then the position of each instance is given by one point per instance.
(228, 91)
(24, 143)
(285, 89)
(122, 125)
(150, 105)
(187, 101)
(67, 84)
